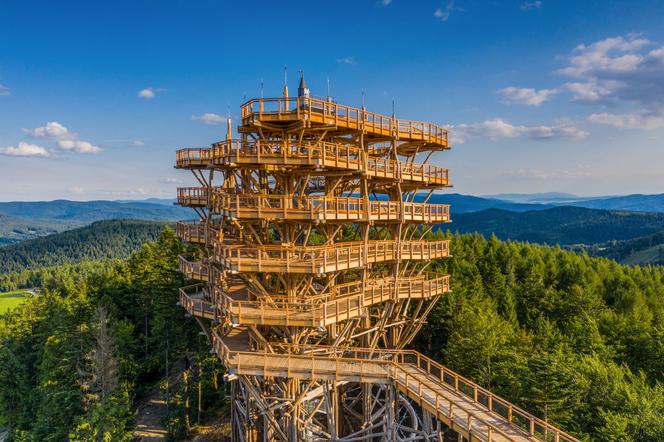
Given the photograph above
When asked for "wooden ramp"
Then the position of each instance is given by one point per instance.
(470, 410)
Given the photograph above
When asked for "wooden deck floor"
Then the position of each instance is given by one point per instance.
(470, 410)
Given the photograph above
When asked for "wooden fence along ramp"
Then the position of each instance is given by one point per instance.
(313, 263)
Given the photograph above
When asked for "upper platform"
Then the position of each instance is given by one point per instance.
(310, 113)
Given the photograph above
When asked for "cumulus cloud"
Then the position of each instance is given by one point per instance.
(64, 138)
(620, 71)
(4, 91)
(527, 96)
(498, 128)
(25, 150)
(148, 93)
(171, 181)
(528, 6)
(138, 143)
(52, 131)
(618, 68)
(78, 146)
(632, 120)
(209, 118)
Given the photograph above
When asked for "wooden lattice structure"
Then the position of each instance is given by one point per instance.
(313, 278)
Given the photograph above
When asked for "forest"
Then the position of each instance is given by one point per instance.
(575, 339)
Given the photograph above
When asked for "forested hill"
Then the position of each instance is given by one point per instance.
(577, 340)
(559, 225)
(100, 240)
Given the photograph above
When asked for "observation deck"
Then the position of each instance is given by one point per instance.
(345, 301)
(309, 112)
(321, 156)
(323, 259)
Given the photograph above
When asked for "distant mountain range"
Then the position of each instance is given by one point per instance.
(635, 202)
(21, 220)
(559, 225)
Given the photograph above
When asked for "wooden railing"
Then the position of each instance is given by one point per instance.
(322, 259)
(325, 208)
(192, 196)
(332, 155)
(343, 302)
(194, 300)
(423, 380)
(530, 424)
(191, 231)
(193, 157)
(328, 112)
(194, 269)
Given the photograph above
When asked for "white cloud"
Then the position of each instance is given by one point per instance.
(444, 13)
(527, 96)
(346, 60)
(148, 93)
(209, 118)
(528, 6)
(76, 189)
(386, 2)
(65, 139)
(632, 120)
(4, 91)
(52, 131)
(620, 69)
(498, 128)
(78, 146)
(25, 150)
(138, 143)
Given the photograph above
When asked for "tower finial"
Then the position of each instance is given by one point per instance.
(329, 97)
(229, 128)
(303, 90)
(286, 84)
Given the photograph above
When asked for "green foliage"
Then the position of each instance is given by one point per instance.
(576, 340)
(74, 358)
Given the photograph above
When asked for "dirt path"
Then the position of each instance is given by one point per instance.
(151, 417)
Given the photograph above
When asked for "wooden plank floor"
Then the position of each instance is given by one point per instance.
(424, 389)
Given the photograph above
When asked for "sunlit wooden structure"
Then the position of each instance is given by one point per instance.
(312, 278)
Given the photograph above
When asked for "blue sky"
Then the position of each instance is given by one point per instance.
(95, 97)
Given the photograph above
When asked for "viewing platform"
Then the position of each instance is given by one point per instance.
(310, 112)
(308, 155)
(197, 270)
(472, 411)
(192, 196)
(194, 232)
(325, 209)
(323, 259)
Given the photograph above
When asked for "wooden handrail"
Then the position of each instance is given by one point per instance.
(323, 153)
(393, 361)
(307, 108)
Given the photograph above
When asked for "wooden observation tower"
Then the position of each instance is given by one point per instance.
(312, 271)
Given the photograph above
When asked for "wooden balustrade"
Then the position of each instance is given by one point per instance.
(194, 269)
(323, 208)
(463, 405)
(345, 301)
(194, 300)
(192, 196)
(191, 231)
(323, 259)
(316, 111)
(193, 157)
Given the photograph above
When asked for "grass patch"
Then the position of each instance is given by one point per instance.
(11, 300)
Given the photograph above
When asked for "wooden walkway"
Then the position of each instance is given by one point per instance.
(472, 411)
(325, 209)
(311, 156)
(323, 259)
(311, 111)
(348, 301)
